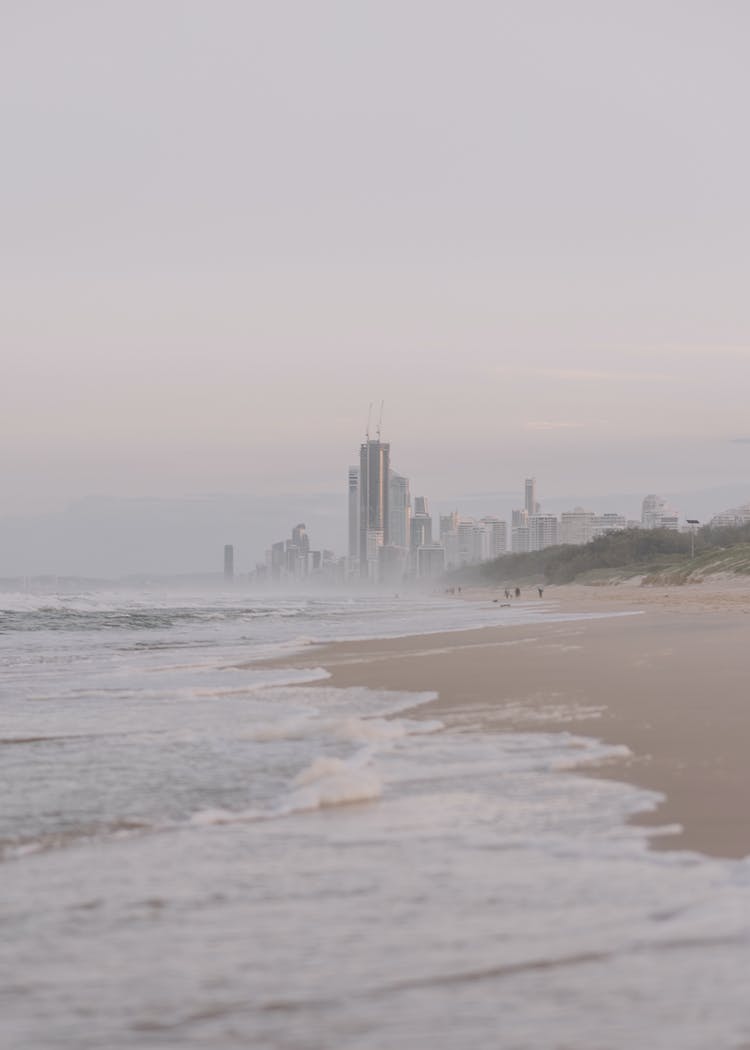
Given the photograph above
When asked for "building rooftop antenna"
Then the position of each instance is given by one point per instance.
(380, 419)
(369, 419)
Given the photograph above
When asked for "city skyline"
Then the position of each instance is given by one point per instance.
(394, 538)
(109, 537)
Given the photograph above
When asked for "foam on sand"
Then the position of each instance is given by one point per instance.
(333, 782)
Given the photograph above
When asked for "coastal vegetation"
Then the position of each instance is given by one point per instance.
(660, 556)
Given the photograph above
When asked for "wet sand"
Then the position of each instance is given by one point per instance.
(671, 681)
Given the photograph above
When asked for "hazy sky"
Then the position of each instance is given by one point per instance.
(228, 226)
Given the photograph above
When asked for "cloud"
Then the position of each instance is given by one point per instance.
(551, 424)
(740, 441)
(586, 375)
(704, 350)
(596, 374)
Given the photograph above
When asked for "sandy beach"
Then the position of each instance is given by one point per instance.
(664, 673)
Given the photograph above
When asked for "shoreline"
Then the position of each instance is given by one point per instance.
(669, 684)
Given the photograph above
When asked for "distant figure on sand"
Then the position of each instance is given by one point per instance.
(507, 594)
(518, 592)
(541, 591)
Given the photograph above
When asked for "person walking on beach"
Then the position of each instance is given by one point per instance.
(518, 592)
(541, 591)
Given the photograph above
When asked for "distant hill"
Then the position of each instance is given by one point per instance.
(659, 555)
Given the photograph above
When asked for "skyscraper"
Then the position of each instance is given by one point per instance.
(399, 502)
(374, 524)
(300, 539)
(530, 504)
(420, 531)
(353, 515)
(448, 524)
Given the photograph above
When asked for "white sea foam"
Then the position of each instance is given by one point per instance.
(216, 815)
(354, 729)
(332, 782)
(382, 730)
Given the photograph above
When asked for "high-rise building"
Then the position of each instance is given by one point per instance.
(374, 523)
(300, 539)
(353, 515)
(399, 504)
(448, 523)
(543, 531)
(277, 560)
(735, 516)
(657, 514)
(449, 537)
(520, 531)
(228, 561)
(521, 539)
(471, 541)
(496, 532)
(652, 508)
(420, 530)
(292, 559)
(604, 523)
(577, 526)
(467, 539)
(530, 504)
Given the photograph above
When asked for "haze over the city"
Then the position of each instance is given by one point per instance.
(227, 228)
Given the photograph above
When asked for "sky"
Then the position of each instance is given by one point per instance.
(228, 227)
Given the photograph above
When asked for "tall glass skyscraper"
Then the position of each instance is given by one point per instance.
(374, 524)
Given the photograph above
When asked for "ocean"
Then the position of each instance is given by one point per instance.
(197, 850)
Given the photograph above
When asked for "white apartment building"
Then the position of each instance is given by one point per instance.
(579, 526)
(467, 541)
(657, 514)
(534, 532)
(521, 539)
(496, 531)
(604, 523)
(734, 516)
(544, 530)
